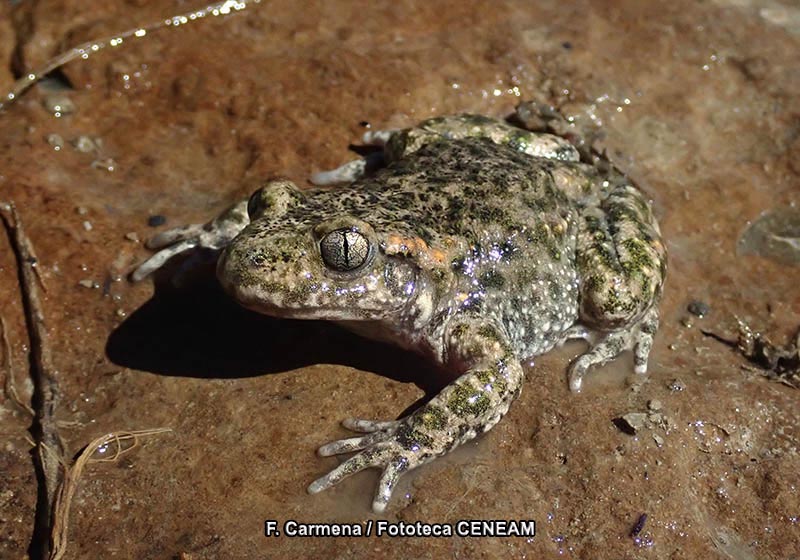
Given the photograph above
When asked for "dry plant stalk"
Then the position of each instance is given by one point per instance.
(49, 447)
(122, 442)
(60, 479)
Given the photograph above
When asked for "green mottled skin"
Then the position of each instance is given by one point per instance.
(487, 243)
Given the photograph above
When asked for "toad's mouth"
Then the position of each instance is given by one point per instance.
(285, 304)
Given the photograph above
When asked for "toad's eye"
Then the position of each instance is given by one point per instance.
(344, 250)
(255, 205)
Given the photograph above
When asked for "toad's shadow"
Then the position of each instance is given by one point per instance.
(198, 331)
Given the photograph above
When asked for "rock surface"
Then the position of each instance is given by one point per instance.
(697, 102)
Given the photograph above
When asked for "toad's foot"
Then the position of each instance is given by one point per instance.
(353, 170)
(214, 235)
(637, 337)
(382, 448)
(470, 405)
(578, 331)
(350, 171)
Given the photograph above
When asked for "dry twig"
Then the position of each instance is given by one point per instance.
(49, 449)
(58, 480)
(775, 362)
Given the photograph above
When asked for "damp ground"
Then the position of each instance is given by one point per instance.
(696, 102)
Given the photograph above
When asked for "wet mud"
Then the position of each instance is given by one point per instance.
(696, 102)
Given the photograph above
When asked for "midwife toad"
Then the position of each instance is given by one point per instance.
(479, 244)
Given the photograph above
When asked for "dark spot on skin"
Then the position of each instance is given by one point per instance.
(409, 438)
(491, 214)
(508, 249)
(467, 402)
(257, 259)
(493, 379)
(488, 332)
(639, 260)
(616, 309)
(492, 279)
(433, 418)
(474, 302)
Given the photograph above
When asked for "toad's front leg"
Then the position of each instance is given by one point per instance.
(470, 405)
(272, 200)
(213, 235)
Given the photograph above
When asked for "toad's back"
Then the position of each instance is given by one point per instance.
(513, 230)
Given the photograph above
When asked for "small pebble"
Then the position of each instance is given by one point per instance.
(654, 404)
(631, 422)
(107, 164)
(698, 308)
(132, 236)
(639, 525)
(59, 104)
(56, 141)
(86, 283)
(156, 220)
(84, 144)
(676, 385)
(87, 225)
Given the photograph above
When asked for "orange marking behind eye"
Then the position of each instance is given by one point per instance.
(415, 247)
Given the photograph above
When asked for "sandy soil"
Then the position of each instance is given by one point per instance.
(697, 102)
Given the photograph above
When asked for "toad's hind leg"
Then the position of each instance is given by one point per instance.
(637, 337)
(621, 264)
(457, 127)
(398, 144)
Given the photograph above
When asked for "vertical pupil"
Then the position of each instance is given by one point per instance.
(346, 248)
